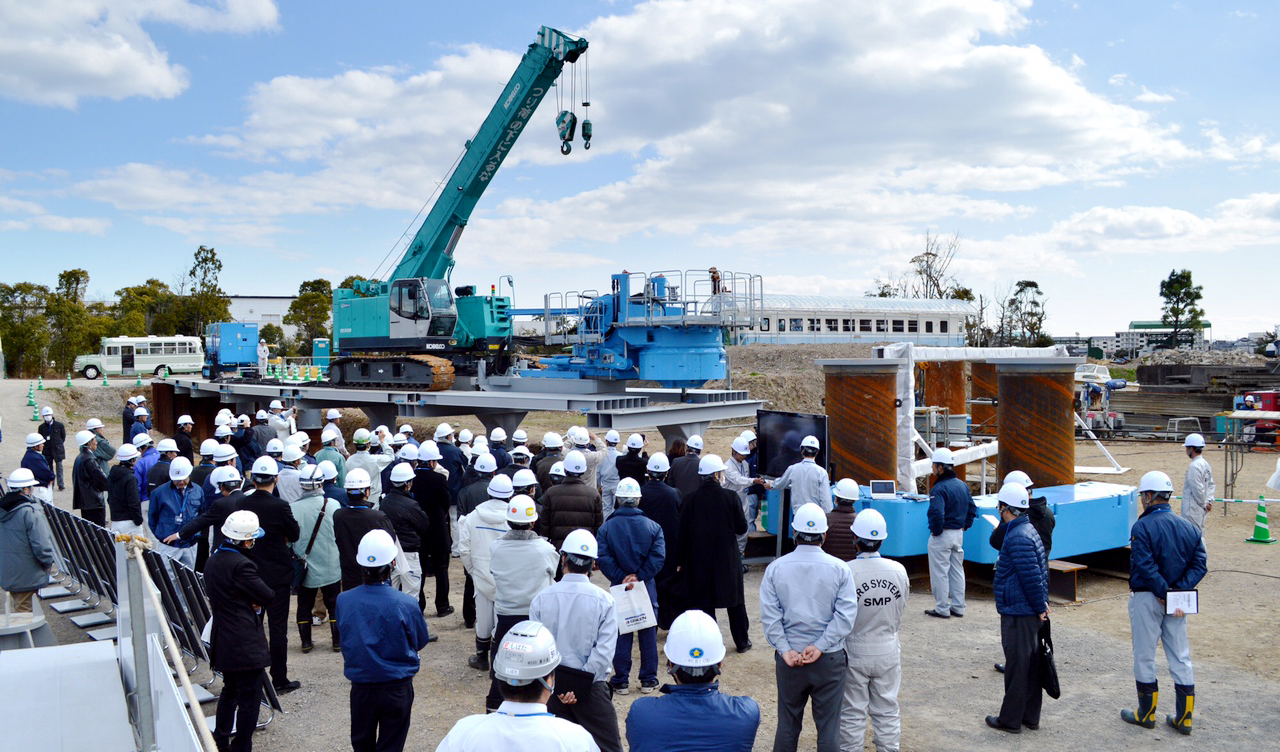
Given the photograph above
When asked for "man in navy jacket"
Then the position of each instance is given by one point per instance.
(1166, 553)
(632, 549)
(1022, 600)
(951, 512)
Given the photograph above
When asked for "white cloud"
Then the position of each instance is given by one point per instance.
(54, 52)
(32, 216)
(1150, 97)
(1119, 79)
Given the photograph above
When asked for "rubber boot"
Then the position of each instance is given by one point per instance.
(304, 634)
(1145, 716)
(1186, 704)
(337, 638)
(480, 661)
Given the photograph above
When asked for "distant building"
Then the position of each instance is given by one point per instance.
(1144, 334)
(810, 319)
(263, 310)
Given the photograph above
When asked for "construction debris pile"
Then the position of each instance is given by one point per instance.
(1203, 358)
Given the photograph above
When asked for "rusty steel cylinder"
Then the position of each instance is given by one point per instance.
(861, 407)
(1037, 430)
(983, 387)
(945, 386)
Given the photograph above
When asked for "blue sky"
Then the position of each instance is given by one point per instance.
(1092, 146)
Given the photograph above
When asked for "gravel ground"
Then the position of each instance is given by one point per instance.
(948, 684)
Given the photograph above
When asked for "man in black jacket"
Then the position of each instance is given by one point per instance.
(55, 438)
(274, 559)
(352, 522)
(237, 646)
(661, 503)
(634, 463)
(88, 484)
(122, 493)
(226, 482)
(411, 523)
(683, 475)
(183, 438)
(431, 491)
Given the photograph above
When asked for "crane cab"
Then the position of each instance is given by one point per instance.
(421, 310)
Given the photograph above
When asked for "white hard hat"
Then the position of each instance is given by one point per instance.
(847, 488)
(244, 420)
(1248, 398)
(406, 429)
(260, 415)
(810, 442)
(376, 549)
(465, 436)
(1155, 481)
(46, 411)
(380, 430)
(399, 440)
(943, 456)
(265, 466)
(274, 446)
(521, 509)
(810, 519)
(139, 440)
(575, 462)
(580, 542)
(328, 470)
(526, 654)
(749, 435)
(428, 451)
(1274, 482)
(740, 446)
(500, 487)
(443, 430)
(524, 478)
(628, 488)
(142, 398)
(126, 452)
(552, 440)
(84, 437)
(167, 445)
(132, 400)
(332, 414)
(869, 525)
(480, 443)
(277, 405)
(302, 437)
(520, 435)
(361, 436)
(180, 468)
(221, 431)
(357, 479)
(1013, 494)
(330, 434)
(1017, 476)
(408, 452)
(224, 412)
(22, 478)
(498, 434)
(292, 453)
(224, 452)
(222, 420)
(224, 474)
(93, 424)
(185, 420)
(659, 463)
(140, 412)
(402, 473)
(710, 464)
(486, 463)
(1193, 440)
(311, 476)
(242, 526)
(557, 469)
(694, 641)
(521, 451)
(208, 447)
(635, 441)
(694, 442)
(612, 437)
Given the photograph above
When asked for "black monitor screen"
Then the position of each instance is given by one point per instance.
(780, 435)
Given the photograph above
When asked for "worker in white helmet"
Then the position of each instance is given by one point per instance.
(634, 461)
(282, 419)
(1038, 512)
(331, 438)
(407, 430)
(808, 480)
(572, 504)
(262, 432)
(808, 604)
(122, 493)
(103, 451)
(875, 657)
(498, 446)
(479, 529)
(661, 503)
(288, 483)
(264, 353)
(520, 458)
(1167, 554)
(382, 632)
(352, 522)
(951, 512)
(172, 505)
(607, 474)
(585, 622)
(88, 482)
(684, 476)
(552, 452)
(363, 459)
(692, 714)
(26, 543)
(632, 552)
(840, 540)
(738, 478)
(33, 460)
(525, 667)
(332, 416)
(586, 442)
(186, 448)
(410, 521)
(431, 491)
(522, 564)
(55, 438)
(1198, 487)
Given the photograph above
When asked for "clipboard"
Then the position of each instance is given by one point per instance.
(1187, 600)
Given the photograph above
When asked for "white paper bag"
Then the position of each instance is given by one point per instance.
(635, 612)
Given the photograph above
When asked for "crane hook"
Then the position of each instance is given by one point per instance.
(565, 148)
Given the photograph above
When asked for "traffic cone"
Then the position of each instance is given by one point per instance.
(68, 381)
(40, 383)
(1261, 531)
(105, 383)
(31, 395)
(166, 372)
(138, 384)
(35, 414)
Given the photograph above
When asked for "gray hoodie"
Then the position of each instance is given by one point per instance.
(26, 544)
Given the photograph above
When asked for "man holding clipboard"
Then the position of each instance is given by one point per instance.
(1166, 556)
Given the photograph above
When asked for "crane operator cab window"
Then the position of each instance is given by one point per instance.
(427, 304)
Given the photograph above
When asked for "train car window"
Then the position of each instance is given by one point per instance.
(882, 325)
(897, 325)
(928, 327)
(864, 325)
(942, 326)
(913, 325)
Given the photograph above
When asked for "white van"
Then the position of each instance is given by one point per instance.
(129, 355)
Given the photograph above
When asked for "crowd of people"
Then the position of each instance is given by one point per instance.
(356, 532)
